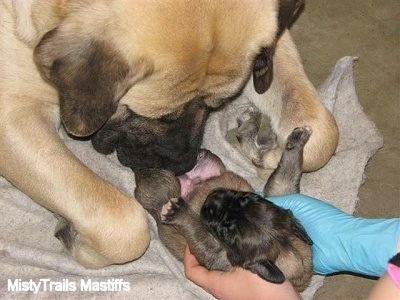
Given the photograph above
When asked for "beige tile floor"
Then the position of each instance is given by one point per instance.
(369, 29)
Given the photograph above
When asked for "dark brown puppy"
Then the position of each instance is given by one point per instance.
(225, 224)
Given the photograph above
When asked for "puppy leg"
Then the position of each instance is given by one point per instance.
(106, 226)
(286, 177)
(202, 244)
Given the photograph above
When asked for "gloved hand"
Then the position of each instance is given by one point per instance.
(343, 242)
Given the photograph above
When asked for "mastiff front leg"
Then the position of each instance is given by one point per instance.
(106, 226)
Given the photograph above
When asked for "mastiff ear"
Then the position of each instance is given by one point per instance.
(263, 71)
(267, 270)
(90, 75)
(288, 9)
(263, 63)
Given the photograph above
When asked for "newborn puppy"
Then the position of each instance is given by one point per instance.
(258, 235)
(171, 142)
(255, 137)
(257, 140)
(225, 224)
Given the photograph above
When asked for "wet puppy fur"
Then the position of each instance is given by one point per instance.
(225, 224)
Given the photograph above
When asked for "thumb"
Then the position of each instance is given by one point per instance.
(199, 274)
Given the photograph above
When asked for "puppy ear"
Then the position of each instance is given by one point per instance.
(298, 230)
(90, 77)
(263, 71)
(267, 270)
(287, 12)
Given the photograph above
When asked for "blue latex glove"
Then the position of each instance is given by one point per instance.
(343, 242)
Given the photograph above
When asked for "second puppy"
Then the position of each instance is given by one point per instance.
(225, 224)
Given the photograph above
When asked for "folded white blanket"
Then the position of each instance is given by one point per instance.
(31, 258)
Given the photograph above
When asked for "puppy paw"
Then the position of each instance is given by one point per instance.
(171, 211)
(298, 137)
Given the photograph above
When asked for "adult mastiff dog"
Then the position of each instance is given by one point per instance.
(77, 62)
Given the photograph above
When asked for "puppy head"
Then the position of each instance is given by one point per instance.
(252, 229)
(156, 57)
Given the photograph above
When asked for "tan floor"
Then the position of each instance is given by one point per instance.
(369, 29)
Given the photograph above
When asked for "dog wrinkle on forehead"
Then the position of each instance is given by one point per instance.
(201, 31)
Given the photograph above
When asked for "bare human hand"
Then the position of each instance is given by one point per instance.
(236, 283)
